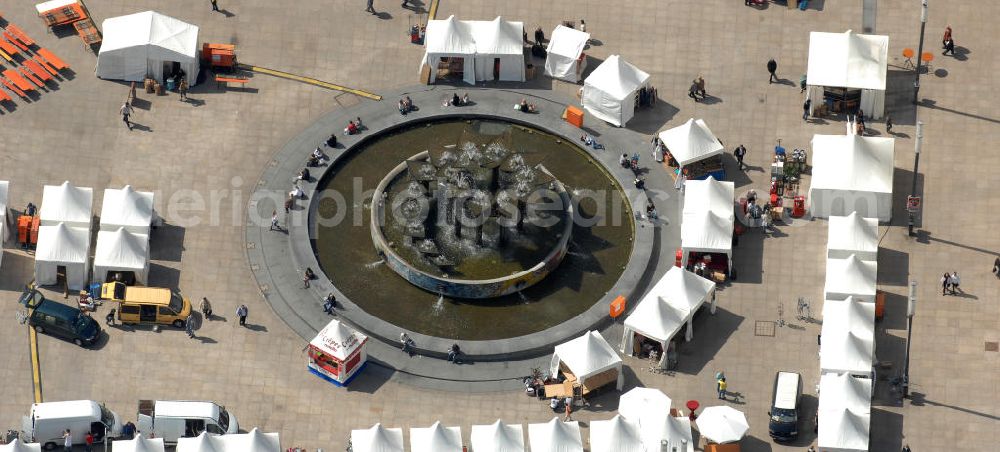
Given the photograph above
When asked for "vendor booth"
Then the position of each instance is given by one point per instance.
(121, 252)
(62, 253)
(847, 71)
(663, 311)
(616, 435)
(337, 353)
(565, 59)
(847, 339)
(555, 436)
(852, 234)
(436, 438)
(66, 204)
(148, 44)
(587, 363)
(499, 50)
(377, 439)
(127, 208)
(497, 437)
(610, 92)
(722, 424)
(255, 441)
(852, 173)
(707, 243)
(844, 413)
(18, 446)
(138, 444)
(710, 194)
(474, 50)
(650, 409)
(450, 50)
(694, 150)
(850, 277)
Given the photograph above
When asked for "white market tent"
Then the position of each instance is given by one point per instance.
(62, 246)
(450, 38)
(121, 251)
(143, 44)
(615, 435)
(609, 92)
(666, 308)
(138, 444)
(555, 436)
(847, 339)
(497, 437)
(691, 142)
(710, 194)
(707, 232)
(436, 438)
(852, 173)
(650, 408)
(255, 441)
(852, 234)
(201, 443)
(844, 413)
(722, 424)
(127, 208)
(588, 356)
(377, 439)
(67, 204)
(850, 277)
(852, 61)
(565, 59)
(499, 42)
(18, 446)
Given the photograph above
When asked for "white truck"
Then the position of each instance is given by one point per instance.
(173, 419)
(47, 422)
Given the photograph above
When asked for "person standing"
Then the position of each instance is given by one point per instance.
(215, 5)
(206, 308)
(126, 111)
(189, 326)
(888, 124)
(182, 88)
(772, 68)
(955, 281)
(371, 7)
(805, 109)
(949, 47)
(583, 26)
(700, 82)
(740, 152)
(89, 442)
(996, 267)
(274, 221)
(110, 318)
(67, 441)
(569, 409)
(242, 312)
(722, 388)
(693, 91)
(945, 283)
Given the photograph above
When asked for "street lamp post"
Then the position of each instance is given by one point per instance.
(911, 308)
(917, 145)
(920, 48)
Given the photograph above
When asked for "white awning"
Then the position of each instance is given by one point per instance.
(121, 250)
(691, 142)
(255, 441)
(563, 58)
(138, 444)
(650, 408)
(848, 60)
(847, 338)
(377, 439)
(555, 436)
(436, 438)
(707, 232)
(615, 435)
(852, 234)
(722, 424)
(497, 437)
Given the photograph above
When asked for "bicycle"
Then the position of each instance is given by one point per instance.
(804, 311)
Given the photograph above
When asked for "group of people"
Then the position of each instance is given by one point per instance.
(950, 283)
(315, 159)
(525, 107)
(456, 101)
(589, 140)
(697, 89)
(354, 126)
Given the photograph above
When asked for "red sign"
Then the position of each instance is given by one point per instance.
(912, 203)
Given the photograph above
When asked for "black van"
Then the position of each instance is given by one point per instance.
(56, 319)
(784, 414)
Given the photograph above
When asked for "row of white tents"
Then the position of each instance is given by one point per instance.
(483, 47)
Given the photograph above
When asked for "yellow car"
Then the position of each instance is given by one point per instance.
(147, 304)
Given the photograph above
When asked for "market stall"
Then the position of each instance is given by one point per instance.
(847, 338)
(847, 71)
(850, 277)
(377, 439)
(844, 413)
(694, 150)
(148, 44)
(707, 243)
(18, 446)
(615, 435)
(611, 91)
(127, 208)
(588, 363)
(497, 437)
(852, 234)
(138, 444)
(66, 204)
(499, 50)
(555, 436)
(62, 251)
(436, 438)
(338, 353)
(650, 409)
(722, 424)
(121, 252)
(852, 173)
(565, 59)
(450, 50)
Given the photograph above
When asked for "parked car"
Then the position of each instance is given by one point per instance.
(59, 320)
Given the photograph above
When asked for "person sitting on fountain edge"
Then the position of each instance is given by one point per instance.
(455, 100)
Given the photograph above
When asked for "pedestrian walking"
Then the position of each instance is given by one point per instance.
(946, 37)
(89, 442)
(215, 5)
(693, 91)
(371, 7)
(700, 82)
(189, 326)
(110, 318)
(772, 68)
(67, 441)
(949, 47)
(242, 312)
(722, 388)
(945, 283)
(126, 111)
(740, 152)
(274, 221)
(182, 88)
(805, 109)
(569, 409)
(955, 281)
(206, 308)
(888, 124)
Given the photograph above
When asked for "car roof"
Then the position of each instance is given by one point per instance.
(186, 408)
(71, 408)
(54, 308)
(786, 390)
(147, 295)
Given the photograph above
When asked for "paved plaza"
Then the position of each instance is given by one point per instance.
(203, 159)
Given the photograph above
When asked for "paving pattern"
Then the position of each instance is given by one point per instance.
(211, 150)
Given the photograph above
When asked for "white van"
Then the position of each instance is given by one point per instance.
(172, 419)
(47, 422)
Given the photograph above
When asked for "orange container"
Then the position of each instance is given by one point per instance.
(23, 226)
(574, 116)
(617, 307)
(35, 223)
(220, 55)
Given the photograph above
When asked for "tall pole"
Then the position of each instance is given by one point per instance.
(920, 48)
(918, 144)
(911, 308)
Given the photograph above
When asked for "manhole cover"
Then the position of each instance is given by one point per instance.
(992, 346)
(764, 328)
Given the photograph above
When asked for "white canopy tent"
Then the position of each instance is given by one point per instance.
(850, 277)
(201, 443)
(844, 413)
(450, 38)
(722, 424)
(710, 194)
(67, 204)
(127, 208)
(138, 444)
(852, 234)
(18, 446)
(616, 435)
(565, 59)
(609, 92)
(555, 436)
(852, 173)
(847, 338)
(121, 251)
(691, 142)
(436, 438)
(650, 408)
(499, 43)
(144, 44)
(587, 356)
(377, 439)
(707, 232)
(666, 308)
(497, 437)
(255, 441)
(849, 60)
(62, 246)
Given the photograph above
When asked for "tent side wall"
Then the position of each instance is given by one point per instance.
(127, 64)
(561, 67)
(468, 67)
(824, 203)
(602, 105)
(76, 274)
